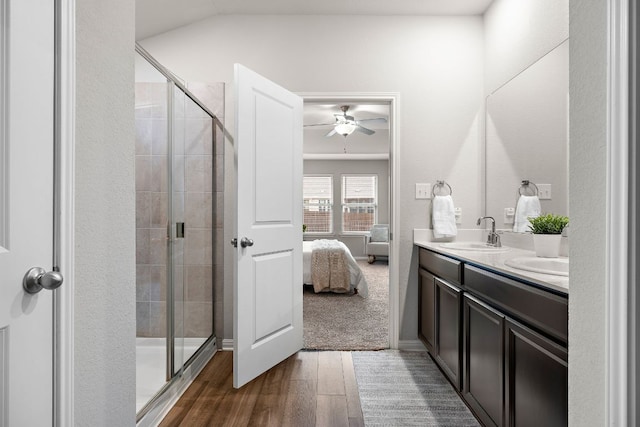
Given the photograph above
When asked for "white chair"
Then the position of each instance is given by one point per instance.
(377, 242)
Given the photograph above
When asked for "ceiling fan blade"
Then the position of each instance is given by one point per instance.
(331, 133)
(344, 118)
(320, 124)
(364, 130)
(374, 120)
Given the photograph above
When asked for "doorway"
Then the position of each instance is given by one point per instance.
(347, 167)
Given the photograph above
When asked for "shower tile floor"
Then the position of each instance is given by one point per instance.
(151, 365)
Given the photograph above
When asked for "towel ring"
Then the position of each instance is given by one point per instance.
(440, 185)
(526, 185)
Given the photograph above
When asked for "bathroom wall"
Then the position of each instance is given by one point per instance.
(519, 37)
(435, 64)
(103, 330)
(518, 33)
(588, 164)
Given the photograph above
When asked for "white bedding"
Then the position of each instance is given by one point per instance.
(357, 278)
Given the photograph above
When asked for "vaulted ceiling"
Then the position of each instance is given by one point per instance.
(158, 16)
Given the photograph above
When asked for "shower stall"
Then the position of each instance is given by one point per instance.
(178, 147)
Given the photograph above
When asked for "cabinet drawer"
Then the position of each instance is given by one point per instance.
(543, 310)
(442, 266)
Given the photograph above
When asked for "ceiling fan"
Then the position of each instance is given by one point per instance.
(345, 125)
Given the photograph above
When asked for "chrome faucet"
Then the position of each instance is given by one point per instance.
(493, 239)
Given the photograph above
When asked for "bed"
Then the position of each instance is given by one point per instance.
(333, 267)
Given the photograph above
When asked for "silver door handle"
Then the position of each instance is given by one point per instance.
(38, 278)
(246, 242)
(234, 242)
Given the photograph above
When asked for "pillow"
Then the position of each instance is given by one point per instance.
(379, 234)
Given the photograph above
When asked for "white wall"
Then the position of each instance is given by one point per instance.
(518, 33)
(587, 185)
(104, 356)
(435, 63)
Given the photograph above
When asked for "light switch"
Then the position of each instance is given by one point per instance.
(423, 191)
(544, 191)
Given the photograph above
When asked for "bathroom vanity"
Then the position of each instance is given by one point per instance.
(498, 333)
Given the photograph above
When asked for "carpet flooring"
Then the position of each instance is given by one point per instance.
(406, 389)
(349, 322)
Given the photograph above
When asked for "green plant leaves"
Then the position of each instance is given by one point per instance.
(548, 224)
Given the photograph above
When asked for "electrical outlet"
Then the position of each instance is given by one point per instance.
(458, 214)
(423, 191)
(509, 215)
(544, 191)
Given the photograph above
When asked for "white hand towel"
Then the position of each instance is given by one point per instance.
(444, 217)
(528, 206)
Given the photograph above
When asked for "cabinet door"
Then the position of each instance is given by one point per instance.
(426, 310)
(448, 334)
(483, 360)
(536, 379)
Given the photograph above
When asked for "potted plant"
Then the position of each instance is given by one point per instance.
(547, 233)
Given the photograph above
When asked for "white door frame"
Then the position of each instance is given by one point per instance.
(620, 351)
(393, 99)
(63, 380)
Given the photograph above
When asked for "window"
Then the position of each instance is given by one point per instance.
(359, 202)
(317, 193)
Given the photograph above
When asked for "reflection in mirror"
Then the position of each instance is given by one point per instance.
(527, 137)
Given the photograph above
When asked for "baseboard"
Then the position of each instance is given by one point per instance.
(411, 345)
(227, 344)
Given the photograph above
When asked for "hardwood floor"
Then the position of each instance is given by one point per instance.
(307, 389)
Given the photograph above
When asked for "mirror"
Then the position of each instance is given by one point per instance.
(527, 127)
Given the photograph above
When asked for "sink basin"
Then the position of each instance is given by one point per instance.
(555, 266)
(473, 246)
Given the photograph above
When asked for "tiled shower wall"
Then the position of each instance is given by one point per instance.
(151, 209)
(212, 96)
(198, 201)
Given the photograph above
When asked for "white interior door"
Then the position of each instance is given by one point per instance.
(267, 322)
(26, 210)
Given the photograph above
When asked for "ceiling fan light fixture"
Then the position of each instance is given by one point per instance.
(345, 129)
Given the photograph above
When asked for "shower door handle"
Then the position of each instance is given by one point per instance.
(38, 279)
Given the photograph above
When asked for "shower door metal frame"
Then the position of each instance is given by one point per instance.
(171, 374)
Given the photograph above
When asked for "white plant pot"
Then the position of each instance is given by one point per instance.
(547, 245)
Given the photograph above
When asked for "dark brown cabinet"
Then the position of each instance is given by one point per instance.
(536, 379)
(448, 305)
(483, 361)
(426, 313)
(501, 342)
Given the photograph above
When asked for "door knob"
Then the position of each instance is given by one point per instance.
(38, 278)
(246, 242)
(234, 242)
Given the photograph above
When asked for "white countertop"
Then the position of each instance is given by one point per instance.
(492, 260)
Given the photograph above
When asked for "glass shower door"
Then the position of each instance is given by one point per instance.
(197, 293)
(175, 223)
(152, 102)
